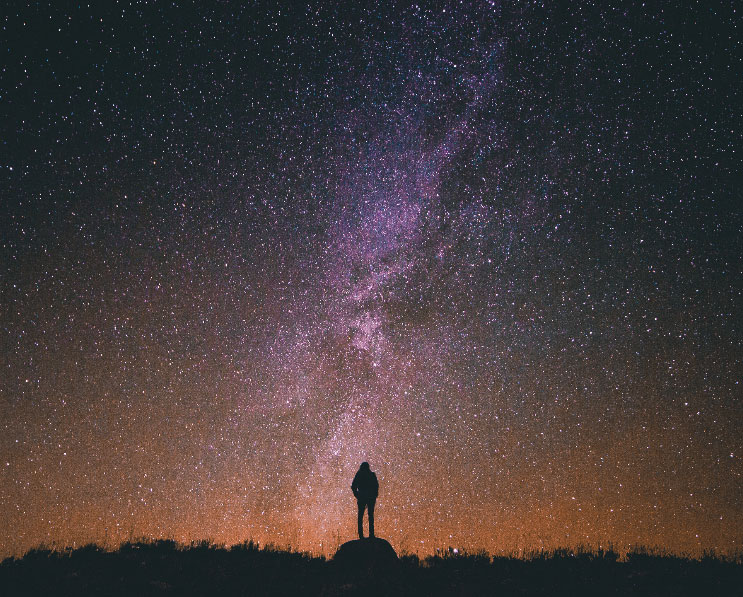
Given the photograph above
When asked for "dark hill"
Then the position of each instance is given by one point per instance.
(358, 568)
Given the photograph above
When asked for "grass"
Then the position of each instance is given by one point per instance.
(164, 567)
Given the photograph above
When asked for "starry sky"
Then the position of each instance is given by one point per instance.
(492, 248)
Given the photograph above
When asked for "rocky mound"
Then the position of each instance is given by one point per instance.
(371, 556)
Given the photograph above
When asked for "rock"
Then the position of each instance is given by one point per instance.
(371, 556)
(364, 567)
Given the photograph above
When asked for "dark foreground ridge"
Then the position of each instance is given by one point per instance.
(365, 567)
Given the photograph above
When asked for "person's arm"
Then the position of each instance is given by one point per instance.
(355, 486)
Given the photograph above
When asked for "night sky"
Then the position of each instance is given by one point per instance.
(495, 249)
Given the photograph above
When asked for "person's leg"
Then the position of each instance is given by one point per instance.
(371, 518)
(361, 506)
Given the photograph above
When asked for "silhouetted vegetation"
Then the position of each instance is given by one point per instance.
(163, 567)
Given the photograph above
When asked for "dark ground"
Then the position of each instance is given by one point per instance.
(166, 568)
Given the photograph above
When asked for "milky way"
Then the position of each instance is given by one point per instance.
(495, 251)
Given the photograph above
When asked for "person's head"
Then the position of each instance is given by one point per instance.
(364, 466)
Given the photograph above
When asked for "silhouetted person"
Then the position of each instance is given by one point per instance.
(366, 488)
